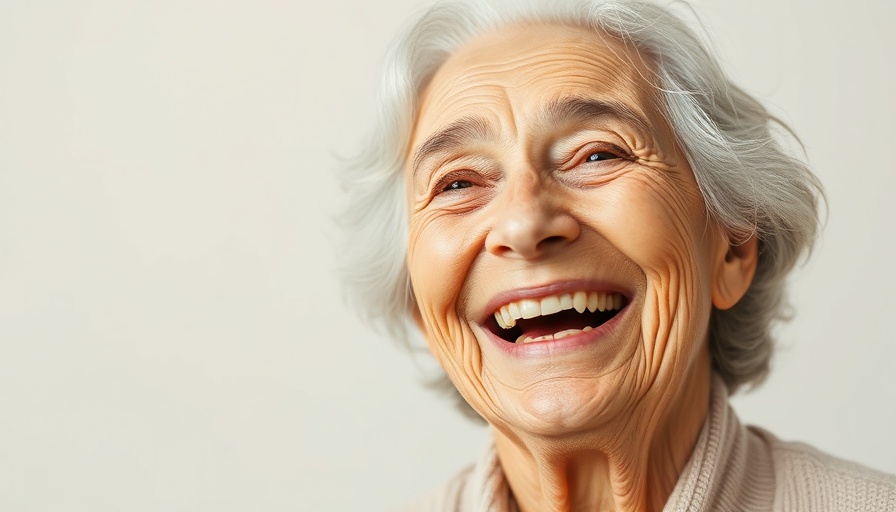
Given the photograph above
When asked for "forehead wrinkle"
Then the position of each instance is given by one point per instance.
(495, 71)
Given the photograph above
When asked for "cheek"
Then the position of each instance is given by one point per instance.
(660, 225)
(440, 252)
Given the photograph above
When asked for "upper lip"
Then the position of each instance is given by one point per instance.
(547, 290)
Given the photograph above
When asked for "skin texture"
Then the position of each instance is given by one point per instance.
(507, 203)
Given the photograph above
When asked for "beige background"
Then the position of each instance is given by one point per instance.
(172, 334)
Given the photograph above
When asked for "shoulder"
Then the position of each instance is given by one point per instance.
(446, 498)
(808, 479)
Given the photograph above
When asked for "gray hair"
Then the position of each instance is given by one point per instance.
(750, 185)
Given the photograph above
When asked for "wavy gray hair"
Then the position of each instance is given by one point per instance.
(750, 184)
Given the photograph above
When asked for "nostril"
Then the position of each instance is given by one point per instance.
(551, 240)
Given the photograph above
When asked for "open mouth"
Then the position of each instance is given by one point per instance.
(555, 317)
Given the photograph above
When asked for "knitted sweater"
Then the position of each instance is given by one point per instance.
(732, 468)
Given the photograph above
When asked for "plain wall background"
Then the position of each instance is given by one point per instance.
(172, 331)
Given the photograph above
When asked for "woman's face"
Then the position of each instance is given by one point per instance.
(546, 188)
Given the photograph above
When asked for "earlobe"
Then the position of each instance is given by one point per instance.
(734, 273)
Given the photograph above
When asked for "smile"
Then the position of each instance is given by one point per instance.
(556, 316)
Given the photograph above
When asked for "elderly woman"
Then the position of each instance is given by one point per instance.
(591, 226)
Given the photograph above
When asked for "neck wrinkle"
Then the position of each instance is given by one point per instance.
(637, 471)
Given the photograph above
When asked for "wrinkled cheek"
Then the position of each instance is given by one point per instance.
(452, 343)
(675, 319)
(675, 314)
(437, 272)
(662, 239)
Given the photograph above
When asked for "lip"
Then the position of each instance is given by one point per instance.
(566, 343)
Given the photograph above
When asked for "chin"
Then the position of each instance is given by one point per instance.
(561, 407)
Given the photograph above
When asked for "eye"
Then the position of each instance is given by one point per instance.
(457, 180)
(460, 184)
(599, 156)
(457, 185)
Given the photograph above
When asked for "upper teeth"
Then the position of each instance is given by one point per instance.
(508, 314)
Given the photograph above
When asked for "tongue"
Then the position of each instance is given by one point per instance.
(569, 319)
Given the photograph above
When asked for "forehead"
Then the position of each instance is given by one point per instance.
(506, 76)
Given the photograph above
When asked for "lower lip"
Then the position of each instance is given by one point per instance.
(567, 343)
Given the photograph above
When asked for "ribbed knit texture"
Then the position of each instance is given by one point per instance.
(732, 468)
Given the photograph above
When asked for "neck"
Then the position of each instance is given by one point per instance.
(630, 463)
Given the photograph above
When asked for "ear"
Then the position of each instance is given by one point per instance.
(734, 273)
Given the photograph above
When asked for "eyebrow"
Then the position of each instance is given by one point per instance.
(456, 135)
(579, 109)
(575, 109)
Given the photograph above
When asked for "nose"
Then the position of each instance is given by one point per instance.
(531, 224)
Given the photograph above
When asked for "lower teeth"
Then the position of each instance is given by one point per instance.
(556, 336)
